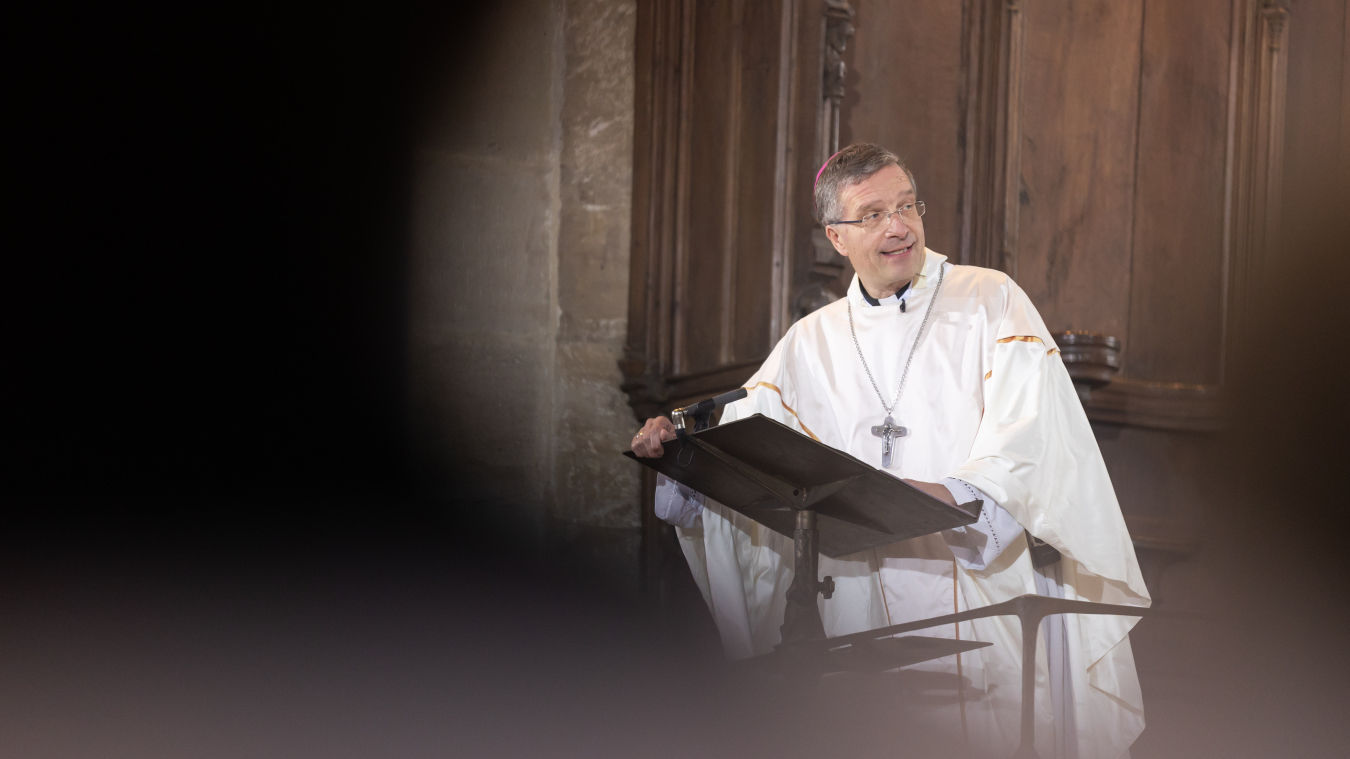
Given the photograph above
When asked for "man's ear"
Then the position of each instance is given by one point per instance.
(833, 234)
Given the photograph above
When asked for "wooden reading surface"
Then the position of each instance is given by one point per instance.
(768, 471)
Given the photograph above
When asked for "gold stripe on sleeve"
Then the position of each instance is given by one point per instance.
(988, 374)
(786, 407)
(1021, 339)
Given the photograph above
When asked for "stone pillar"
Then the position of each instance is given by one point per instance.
(519, 280)
(594, 510)
(483, 310)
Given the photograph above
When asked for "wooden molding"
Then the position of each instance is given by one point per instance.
(1092, 359)
(785, 192)
(1171, 406)
(1255, 162)
(655, 158)
(1162, 534)
(990, 187)
(1010, 148)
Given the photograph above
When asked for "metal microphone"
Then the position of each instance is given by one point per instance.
(700, 414)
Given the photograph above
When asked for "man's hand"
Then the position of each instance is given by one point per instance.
(647, 442)
(939, 492)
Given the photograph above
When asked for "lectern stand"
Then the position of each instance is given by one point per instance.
(1030, 610)
(825, 500)
(832, 503)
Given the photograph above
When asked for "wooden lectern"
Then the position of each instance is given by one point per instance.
(825, 500)
(830, 502)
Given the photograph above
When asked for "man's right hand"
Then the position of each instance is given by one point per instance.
(647, 442)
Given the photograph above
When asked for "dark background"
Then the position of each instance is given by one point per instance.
(210, 543)
(211, 249)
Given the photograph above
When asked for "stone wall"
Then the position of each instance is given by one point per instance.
(519, 275)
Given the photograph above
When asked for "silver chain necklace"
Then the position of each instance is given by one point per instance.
(889, 430)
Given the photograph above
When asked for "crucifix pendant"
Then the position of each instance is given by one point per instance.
(887, 431)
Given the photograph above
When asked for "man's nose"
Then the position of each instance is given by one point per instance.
(895, 217)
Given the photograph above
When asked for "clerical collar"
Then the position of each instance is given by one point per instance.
(888, 300)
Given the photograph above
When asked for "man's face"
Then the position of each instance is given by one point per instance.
(888, 257)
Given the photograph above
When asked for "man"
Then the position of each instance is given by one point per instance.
(946, 376)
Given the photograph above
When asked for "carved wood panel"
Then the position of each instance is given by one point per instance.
(1119, 159)
(733, 110)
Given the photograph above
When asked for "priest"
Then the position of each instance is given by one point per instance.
(943, 375)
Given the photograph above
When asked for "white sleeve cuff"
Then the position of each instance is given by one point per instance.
(678, 504)
(976, 545)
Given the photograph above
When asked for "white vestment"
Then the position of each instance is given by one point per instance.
(987, 401)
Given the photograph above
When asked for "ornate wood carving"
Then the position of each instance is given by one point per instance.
(838, 31)
(823, 265)
(1092, 359)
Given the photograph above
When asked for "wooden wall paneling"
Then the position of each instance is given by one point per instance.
(1177, 256)
(1318, 114)
(1078, 120)
(734, 154)
(753, 258)
(1008, 155)
(1271, 86)
(1258, 161)
(977, 130)
(786, 187)
(659, 42)
(990, 138)
(655, 102)
(1343, 165)
(1154, 472)
(711, 231)
(908, 97)
(728, 105)
(1181, 390)
(701, 281)
(820, 78)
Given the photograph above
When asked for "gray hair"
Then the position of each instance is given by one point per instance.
(850, 166)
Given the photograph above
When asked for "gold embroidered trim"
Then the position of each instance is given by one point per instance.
(988, 374)
(1021, 339)
(1052, 351)
(788, 408)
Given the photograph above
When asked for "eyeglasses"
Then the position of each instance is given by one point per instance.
(877, 219)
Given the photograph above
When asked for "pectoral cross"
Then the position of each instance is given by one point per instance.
(887, 431)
